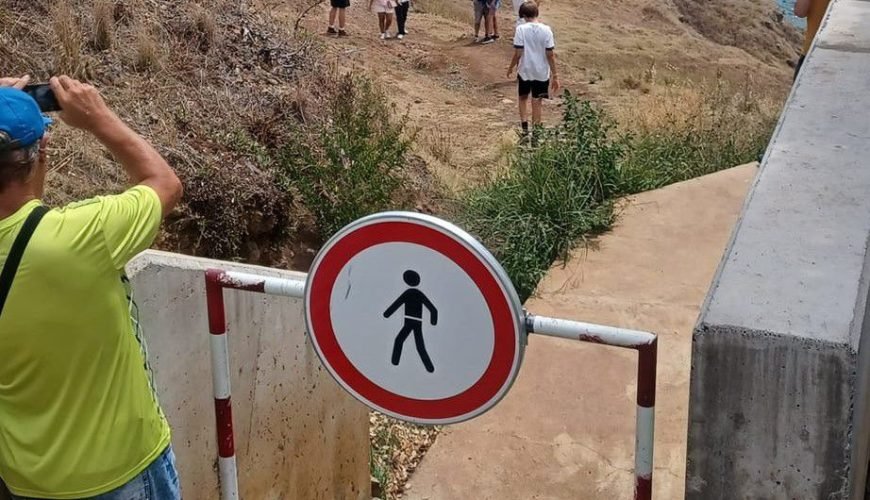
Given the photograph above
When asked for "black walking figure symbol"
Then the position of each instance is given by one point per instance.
(413, 300)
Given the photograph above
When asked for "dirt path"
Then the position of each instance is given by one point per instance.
(457, 93)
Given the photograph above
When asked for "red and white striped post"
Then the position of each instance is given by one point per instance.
(646, 345)
(215, 282)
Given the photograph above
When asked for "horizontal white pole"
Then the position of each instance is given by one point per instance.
(588, 332)
(287, 287)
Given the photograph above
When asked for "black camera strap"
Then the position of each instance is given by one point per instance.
(13, 260)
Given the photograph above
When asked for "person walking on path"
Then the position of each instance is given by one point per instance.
(814, 12)
(479, 15)
(535, 60)
(384, 9)
(337, 10)
(79, 414)
(491, 17)
(402, 17)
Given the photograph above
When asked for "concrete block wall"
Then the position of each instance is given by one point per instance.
(781, 352)
(298, 435)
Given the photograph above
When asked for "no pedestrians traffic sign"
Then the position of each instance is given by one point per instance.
(415, 318)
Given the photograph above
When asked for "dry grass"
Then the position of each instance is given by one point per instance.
(103, 34)
(756, 27)
(454, 10)
(69, 40)
(440, 143)
(148, 55)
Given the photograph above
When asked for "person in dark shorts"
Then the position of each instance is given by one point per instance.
(479, 14)
(338, 8)
(535, 60)
(402, 8)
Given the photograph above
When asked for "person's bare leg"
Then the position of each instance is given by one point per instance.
(382, 22)
(494, 24)
(488, 24)
(332, 13)
(536, 111)
(523, 104)
(341, 18)
(388, 21)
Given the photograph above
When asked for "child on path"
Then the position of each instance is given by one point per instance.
(491, 21)
(337, 10)
(479, 14)
(384, 9)
(535, 60)
(402, 17)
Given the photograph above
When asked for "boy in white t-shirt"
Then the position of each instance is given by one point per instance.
(535, 60)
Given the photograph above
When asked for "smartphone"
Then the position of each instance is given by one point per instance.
(44, 97)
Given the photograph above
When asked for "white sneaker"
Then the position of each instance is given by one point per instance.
(387, 36)
(383, 36)
(400, 36)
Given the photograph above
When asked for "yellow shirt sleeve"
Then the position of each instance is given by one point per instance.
(129, 222)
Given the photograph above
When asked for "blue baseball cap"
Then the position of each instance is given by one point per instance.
(21, 120)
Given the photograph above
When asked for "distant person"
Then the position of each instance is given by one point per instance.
(338, 10)
(479, 15)
(517, 4)
(78, 412)
(402, 17)
(813, 11)
(491, 18)
(385, 10)
(535, 60)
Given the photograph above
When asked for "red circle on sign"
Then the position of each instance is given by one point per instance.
(323, 278)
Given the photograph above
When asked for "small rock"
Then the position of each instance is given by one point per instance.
(449, 103)
(506, 101)
(377, 489)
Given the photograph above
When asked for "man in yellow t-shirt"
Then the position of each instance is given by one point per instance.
(814, 12)
(79, 417)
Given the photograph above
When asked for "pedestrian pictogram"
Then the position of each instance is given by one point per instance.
(415, 318)
(413, 301)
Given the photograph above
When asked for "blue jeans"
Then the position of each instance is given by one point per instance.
(158, 482)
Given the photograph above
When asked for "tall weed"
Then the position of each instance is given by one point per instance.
(550, 196)
(351, 165)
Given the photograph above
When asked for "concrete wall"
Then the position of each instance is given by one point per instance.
(298, 435)
(780, 355)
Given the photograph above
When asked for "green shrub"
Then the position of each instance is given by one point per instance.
(550, 196)
(352, 163)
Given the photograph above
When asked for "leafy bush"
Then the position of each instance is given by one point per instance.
(351, 165)
(550, 195)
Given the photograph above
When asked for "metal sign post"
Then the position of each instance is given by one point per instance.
(413, 317)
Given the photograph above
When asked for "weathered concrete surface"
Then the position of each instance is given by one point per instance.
(298, 435)
(779, 395)
(566, 429)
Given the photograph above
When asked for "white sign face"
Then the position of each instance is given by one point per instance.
(370, 340)
(414, 318)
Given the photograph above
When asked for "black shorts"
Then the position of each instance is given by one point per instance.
(339, 4)
(538, 89)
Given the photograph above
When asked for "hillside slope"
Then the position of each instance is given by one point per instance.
(628, 54)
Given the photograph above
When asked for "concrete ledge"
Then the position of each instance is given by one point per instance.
(298, 435)
(778, 405)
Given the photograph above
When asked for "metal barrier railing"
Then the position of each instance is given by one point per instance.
(217, 280)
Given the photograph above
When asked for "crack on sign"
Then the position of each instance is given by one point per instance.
(349, 282)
